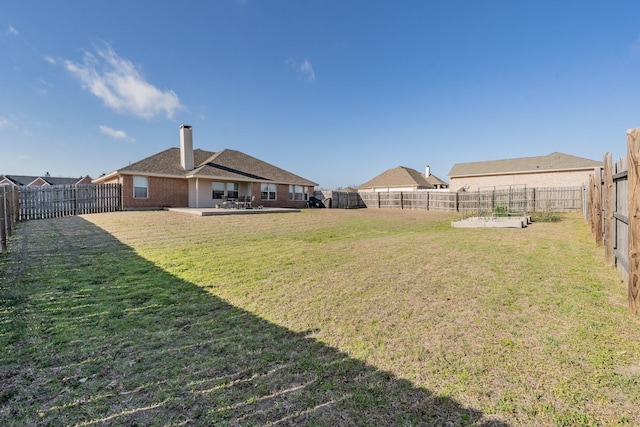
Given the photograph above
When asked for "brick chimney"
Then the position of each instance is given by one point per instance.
(186, 148)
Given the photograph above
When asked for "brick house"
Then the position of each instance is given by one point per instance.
(184, 177)
(553, 170)
(403, 179)
(44, 180)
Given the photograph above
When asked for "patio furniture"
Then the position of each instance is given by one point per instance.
(229, 203)
(245, 201)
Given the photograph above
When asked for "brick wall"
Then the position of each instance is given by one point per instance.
(163, 193)
(282, 198)
(174, 192)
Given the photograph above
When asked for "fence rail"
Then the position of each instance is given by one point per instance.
(515, 200)
(612, 206)
(67, 200)
(617, 232)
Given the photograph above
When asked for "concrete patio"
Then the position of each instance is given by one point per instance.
(231, 211)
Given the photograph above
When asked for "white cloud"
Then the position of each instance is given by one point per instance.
(118, 83)
(305, 69)
(115, 134)
(50, 59)
(5, 123)
(12, 31)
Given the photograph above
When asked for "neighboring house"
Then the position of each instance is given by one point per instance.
(38, 181)
(553, 170)
(184, 177)
(403, 179)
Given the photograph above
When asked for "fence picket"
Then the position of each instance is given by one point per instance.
(515, 199)
(611, 207)
(67, 200)
(608, 210)
(633, 159)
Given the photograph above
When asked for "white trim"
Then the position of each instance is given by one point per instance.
(191, 176)
(134, 186)
(197, 194)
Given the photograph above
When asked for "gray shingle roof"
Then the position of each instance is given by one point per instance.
(225, 164)
(166, 162)
(51, 180)
(398, 177)
(435, 181)
(552, 162)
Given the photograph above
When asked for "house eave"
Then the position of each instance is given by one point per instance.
(106, 177)
(218, 177)
(191, 176)
(239, 179)
(525, 172)
(134, 173)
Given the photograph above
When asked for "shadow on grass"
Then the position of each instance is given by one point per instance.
(93, 334)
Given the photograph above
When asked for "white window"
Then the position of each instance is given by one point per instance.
(232, 190)
(268, 191)
(140, 187)
(218, 190)
(297, 192)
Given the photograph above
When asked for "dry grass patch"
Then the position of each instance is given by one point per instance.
(523, 326)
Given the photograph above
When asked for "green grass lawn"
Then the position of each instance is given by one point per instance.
(323, 317)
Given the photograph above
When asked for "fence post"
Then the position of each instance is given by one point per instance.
(633, 176)
(75, 201)
(608, 209)
(597, 204)
(8, 221)
(15, 203)
(3, 230)
(585, 201)
(592, 198)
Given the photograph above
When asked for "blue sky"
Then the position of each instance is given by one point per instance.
(334, 91)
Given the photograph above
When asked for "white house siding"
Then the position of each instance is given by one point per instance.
(538, 179)
(200, 194)
(386, 189)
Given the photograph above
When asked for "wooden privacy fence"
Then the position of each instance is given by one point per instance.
(428, 200)
(340, 199)
(516, 200)
(612, 208)
(8, 213)
(67, 200)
